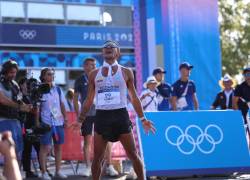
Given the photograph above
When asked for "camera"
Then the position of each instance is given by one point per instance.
(36, 90)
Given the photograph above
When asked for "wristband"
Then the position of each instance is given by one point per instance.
(142, 118)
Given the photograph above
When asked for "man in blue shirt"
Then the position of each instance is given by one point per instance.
(53, 114)
(163, 90)
(184, 90)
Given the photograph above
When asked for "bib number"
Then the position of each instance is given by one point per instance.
(109, 98)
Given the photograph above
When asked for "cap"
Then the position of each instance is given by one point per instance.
(186, 65)
(150, 79)
(245, 70)
(158, 70)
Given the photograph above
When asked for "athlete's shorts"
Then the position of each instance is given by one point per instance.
(87, 126)
(56, 134)
(112, 123)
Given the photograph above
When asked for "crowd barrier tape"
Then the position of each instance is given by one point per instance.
(195, 143)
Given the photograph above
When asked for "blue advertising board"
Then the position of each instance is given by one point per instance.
(93, 36)
(27, 34)
(64, 36)
(193, 143)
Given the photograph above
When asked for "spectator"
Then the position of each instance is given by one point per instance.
(184, 90)
(7, 150)
(224, 99)
(148, 96)
(163, 90)
(53, 114)
(241, 99)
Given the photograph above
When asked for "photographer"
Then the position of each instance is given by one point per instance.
(53, 114)
(30, 121)
(11, 103)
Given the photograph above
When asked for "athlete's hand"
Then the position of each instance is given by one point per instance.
(75, 126)
(148, 126)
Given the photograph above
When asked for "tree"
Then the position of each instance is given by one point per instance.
(234, 18)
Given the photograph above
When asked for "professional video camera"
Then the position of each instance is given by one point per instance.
(36, 90)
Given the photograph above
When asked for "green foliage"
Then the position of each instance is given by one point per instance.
(234, 17)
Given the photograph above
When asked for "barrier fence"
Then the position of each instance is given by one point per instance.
(72, 149)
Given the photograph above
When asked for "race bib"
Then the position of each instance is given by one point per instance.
(109, 98)
(181, 103)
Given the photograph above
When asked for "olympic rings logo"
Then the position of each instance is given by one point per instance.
(27, 34)
(195, 142)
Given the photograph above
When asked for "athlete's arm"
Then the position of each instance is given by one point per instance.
(135, 101)
(90, 96)
(147, 125)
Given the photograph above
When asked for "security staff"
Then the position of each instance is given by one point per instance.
(184, 90)
(224, 99)
(163, 90)
(11, 103)
(242, 95)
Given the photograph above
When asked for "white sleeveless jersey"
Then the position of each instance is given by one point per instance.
(111, 91)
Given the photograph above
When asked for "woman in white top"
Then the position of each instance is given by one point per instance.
(148, 96)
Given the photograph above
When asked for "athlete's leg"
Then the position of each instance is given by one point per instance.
(128, 143)
(100, 146)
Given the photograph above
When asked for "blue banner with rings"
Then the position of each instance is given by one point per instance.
(64, 36)
(27, 34)
(194, 143)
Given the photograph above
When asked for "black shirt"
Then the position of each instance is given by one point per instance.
(165, 91)
(29, 117)
(81, 86)
(221, 101)
(243, 91)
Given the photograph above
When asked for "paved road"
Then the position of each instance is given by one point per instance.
(67, 169)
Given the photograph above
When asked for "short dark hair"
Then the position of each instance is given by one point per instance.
(43, 72)
(89, 59)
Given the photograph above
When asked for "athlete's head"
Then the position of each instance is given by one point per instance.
(110, 51)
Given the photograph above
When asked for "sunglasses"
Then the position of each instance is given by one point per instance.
(110, 46)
